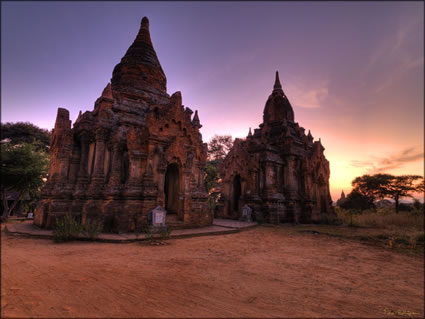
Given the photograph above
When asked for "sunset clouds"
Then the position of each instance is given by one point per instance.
(392, 161)
(353, 71)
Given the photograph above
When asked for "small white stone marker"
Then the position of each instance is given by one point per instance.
(158, 216)
(246, 213)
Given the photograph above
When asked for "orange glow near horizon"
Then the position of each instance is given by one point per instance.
(357, 86)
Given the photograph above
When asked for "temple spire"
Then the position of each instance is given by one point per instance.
(277, 88)
(195, 121)
(139, 67)
(145, 23)
(249, 133)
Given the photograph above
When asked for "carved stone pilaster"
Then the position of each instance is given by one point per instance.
(82, 179)
(100, 154)
(98, 179)
(85, 145)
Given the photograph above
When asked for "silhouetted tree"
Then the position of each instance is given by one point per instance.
(401, 186)
(22, 170)
(420, 188)
(212, 184)
(380, 186)
(219, 146)
(25, 132)
(371, 187)
(356, 201)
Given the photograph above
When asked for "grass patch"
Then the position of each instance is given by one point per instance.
(402, 232)
(383, 218)
(156, 235)
(92, 229)
(66, 229)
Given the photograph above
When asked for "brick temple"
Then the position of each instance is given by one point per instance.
(138, 149)
(278, 171)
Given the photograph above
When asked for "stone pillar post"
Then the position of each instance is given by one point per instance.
(200, 176)
(98, 178)
(136, 170)
(115, 178)
(85, 145)
(290, 180)
(269, 176)
(82, 179)
(74, 166)
(100, 156)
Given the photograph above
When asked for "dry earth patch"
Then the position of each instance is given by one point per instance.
(261, 272)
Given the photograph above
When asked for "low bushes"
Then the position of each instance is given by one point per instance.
(68, 228)
(404, 229)
(383, 218)
(153, 234)
(92, 229)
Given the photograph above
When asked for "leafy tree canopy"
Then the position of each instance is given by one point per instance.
(22, 170)
(219, 146)
(25, 132)
(212, 178)
(356, 201)
(379, 186)
(402, 186)
(371, 186)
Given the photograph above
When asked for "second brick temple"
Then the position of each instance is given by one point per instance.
(278, 171)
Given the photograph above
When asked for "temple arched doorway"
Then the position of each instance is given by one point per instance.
(236, 192)
(171, 189)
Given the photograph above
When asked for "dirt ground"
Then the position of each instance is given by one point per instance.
(261, 272)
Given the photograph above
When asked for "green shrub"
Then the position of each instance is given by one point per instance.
(153, 234)
(149, 234)
(66, 229)
(165, 232)
(92, 229)
(329, 219)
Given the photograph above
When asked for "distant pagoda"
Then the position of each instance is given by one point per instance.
(278, 171)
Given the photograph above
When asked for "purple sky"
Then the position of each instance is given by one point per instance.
(353, 71)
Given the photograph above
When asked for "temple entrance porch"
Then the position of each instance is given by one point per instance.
(171, 189)
(236, 193)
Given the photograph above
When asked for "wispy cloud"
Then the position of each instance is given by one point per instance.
(393, 161)
(395, 54)
(305, 97)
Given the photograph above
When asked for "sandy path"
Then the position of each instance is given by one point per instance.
(262, 272)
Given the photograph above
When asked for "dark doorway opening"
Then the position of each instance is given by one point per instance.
(236, 192)
(171, 189)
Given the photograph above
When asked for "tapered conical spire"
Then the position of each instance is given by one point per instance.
(196, 121)
(277, 107)
(139, 68)
(141, 51)
(277, 88)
